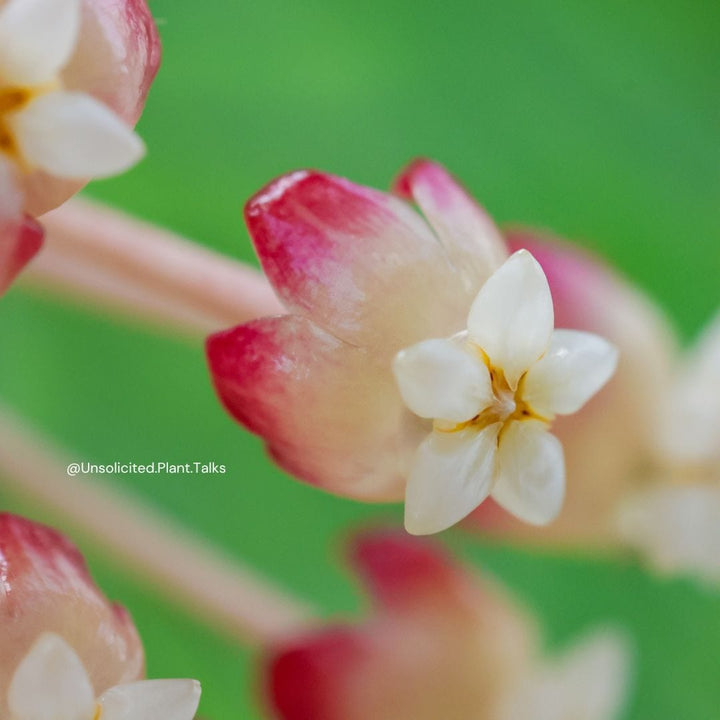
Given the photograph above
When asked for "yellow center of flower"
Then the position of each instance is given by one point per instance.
(508, 404)
(98, 712)
(12, 99)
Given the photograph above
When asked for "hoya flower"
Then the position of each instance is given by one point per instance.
(73, 78)
(675, 521)
(45, 587)
(51, 683)
(492, 392)
(590, 296)
(442, 643)
(364, 277)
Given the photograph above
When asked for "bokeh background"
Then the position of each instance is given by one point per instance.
(599, 120)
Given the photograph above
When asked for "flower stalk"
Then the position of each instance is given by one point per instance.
(189, 571)
(100, 256)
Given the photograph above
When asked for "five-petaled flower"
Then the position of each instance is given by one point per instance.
(590, 295)
(363, 277)
(492, 392)
(51, 684)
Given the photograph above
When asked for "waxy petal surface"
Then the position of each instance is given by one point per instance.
(511, 318)
(576, 365)
(330, 414)
(115, 61)
(451, 475)
(45, 587)
(37, 38)
(152, 700)
(51, 682)
(441, 379)
(472, 241)
(360, 263)
(72, 135)
(530, 480)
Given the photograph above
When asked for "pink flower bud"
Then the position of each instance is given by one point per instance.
(45, 587)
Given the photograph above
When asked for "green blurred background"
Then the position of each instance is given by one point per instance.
(600, 120)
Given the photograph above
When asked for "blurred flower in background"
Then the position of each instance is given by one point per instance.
(675, 521)
(442, 643)
(46, 588)
(74, 75)
(51, 684)
(63, 643)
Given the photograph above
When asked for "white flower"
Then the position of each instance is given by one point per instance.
(675, 522)
(492, 392)
(51, 684)
(43, 126)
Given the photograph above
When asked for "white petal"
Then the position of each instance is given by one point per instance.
(450, 477)
(531, 472)
(152, 700)
(677, 527)
(511, 318)
(440, 379)
(576, 365)
(72, 135)
(37, 38)
(588, 681)
(51, 683)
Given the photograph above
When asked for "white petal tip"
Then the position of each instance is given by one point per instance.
(72, 135)
(512, 317)
(418, 525)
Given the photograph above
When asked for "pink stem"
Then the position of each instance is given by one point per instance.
(100, 256)
(186, 569)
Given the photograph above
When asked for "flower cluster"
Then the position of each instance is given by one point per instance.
(504, 380)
